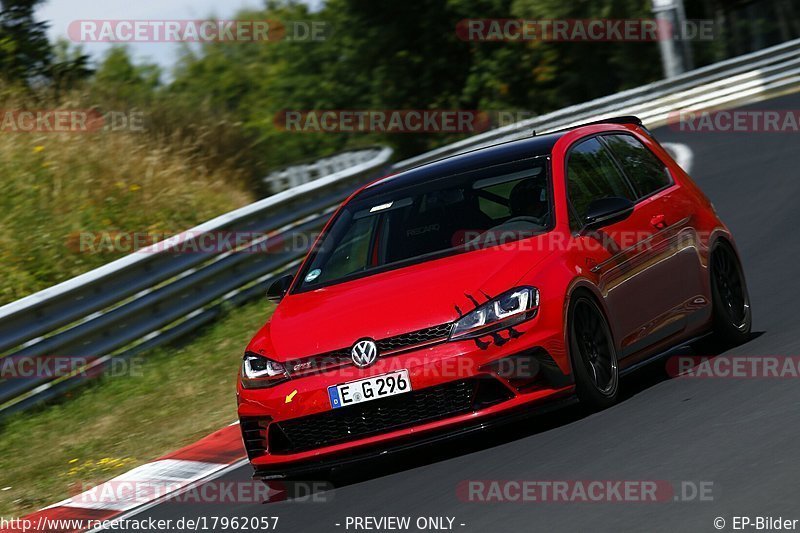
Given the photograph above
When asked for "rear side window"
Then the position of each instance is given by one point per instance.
(643, 168)
(592, 175)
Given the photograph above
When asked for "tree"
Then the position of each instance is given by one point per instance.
(69, 67)
(25, 53)
(118, 78)
(573, 72)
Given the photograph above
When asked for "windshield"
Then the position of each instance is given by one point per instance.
(395, 226)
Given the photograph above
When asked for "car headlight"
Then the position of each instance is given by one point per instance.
(259, 372)
(508, 309)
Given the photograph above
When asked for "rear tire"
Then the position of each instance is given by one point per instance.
(732, 315)
(593, 355)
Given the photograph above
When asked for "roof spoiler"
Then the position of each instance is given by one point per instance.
(626, 119)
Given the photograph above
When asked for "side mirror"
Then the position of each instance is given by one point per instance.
(279, 287)
(606, 211)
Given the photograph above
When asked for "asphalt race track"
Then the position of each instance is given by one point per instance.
(741, 435)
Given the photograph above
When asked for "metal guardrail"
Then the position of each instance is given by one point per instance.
(299, 173)
(155, 295)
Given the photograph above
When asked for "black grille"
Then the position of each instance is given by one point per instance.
(421, 336)
(335, 358)
(378, 416)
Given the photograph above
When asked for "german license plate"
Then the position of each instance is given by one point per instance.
(365, 390)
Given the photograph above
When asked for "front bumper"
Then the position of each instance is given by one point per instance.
(415, 440)
(456, 387)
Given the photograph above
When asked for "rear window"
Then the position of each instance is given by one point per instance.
(392, 227)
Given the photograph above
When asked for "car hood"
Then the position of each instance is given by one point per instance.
(392, 302)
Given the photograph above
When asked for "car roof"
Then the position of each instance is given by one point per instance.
(507, 152)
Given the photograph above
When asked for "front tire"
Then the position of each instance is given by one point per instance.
(594, 357)
(730, 299)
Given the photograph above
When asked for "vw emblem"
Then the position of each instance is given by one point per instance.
(364, 353)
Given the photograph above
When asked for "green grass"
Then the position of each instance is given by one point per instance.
(176, 396)
(56, 187)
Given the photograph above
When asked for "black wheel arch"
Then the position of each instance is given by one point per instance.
(583, 287)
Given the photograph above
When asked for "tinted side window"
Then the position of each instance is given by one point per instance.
(592, 175)
(644, 169)
(352, 254)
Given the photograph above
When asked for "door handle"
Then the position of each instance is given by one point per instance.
(659, 222)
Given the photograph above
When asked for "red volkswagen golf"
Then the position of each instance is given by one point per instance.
(471, 289)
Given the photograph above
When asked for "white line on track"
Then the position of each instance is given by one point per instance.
(133, 512)
(682, 154)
